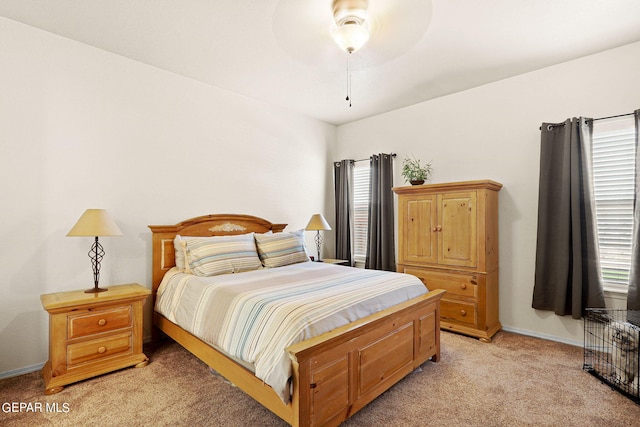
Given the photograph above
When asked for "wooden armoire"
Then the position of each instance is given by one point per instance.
(448, 237)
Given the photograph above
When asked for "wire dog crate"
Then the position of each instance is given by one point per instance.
(611, 340)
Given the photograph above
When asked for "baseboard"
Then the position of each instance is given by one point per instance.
(542, 336)
(21, 371)
(38, 367)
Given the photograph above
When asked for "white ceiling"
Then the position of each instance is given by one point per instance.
(281, 52)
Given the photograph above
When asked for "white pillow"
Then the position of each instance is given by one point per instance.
(179, 249)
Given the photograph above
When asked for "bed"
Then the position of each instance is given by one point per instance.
(333, 374)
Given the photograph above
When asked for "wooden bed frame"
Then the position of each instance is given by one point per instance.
(335, 374)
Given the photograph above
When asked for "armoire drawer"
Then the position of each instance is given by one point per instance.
(465, 285)
(461, 312)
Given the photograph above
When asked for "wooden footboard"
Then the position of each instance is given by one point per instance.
(335, 374)
(338, 373)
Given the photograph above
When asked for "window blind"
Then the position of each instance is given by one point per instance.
(614, 175)
(360, 210)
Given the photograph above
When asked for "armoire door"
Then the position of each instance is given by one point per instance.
(419, 234)
(457, 229)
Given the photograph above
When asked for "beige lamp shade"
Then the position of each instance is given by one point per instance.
(95, 222)
(317, 222)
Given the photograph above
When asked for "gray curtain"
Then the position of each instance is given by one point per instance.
(343, 179)
(633, 295)
(380, 242)
(567, 274)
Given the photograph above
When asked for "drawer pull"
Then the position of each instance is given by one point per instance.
(463, 313)
(463, 286)
(474, 282)
(102, 349)
(102, 322)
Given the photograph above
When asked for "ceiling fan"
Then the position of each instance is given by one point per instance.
(303, 29)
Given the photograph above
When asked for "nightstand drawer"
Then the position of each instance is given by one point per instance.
(87, 351)
(98, 321)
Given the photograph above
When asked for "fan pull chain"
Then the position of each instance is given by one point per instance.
(348, 80)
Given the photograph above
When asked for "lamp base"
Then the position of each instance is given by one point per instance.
(96, 254)
(95, 290)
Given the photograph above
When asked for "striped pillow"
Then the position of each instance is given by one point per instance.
(215, 255)
(280, 249)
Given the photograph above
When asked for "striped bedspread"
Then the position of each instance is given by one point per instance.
(254, 316)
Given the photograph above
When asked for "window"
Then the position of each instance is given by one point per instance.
(360, 210)
(613, 174)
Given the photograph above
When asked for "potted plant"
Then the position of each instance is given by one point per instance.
(414, 171)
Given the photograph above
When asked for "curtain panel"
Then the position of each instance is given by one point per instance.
(633, 295)
(567, 271)
(380, 243)
(343, 180)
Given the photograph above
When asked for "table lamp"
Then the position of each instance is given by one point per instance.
(95, 222)
(317, 223)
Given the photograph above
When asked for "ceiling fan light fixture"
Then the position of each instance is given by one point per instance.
(351, 31)
(350, 36)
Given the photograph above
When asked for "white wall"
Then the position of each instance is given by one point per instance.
(82, 128)
(493, 132)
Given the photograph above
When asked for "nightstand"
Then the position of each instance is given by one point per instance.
(92, 334)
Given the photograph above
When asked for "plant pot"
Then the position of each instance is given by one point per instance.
(417, 182)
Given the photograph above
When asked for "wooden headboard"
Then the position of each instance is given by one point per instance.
(208, 225)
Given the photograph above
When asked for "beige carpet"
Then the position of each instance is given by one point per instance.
(514, 381)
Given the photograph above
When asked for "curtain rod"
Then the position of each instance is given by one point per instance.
(610, 117)
(552, 125)
(362, 160)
